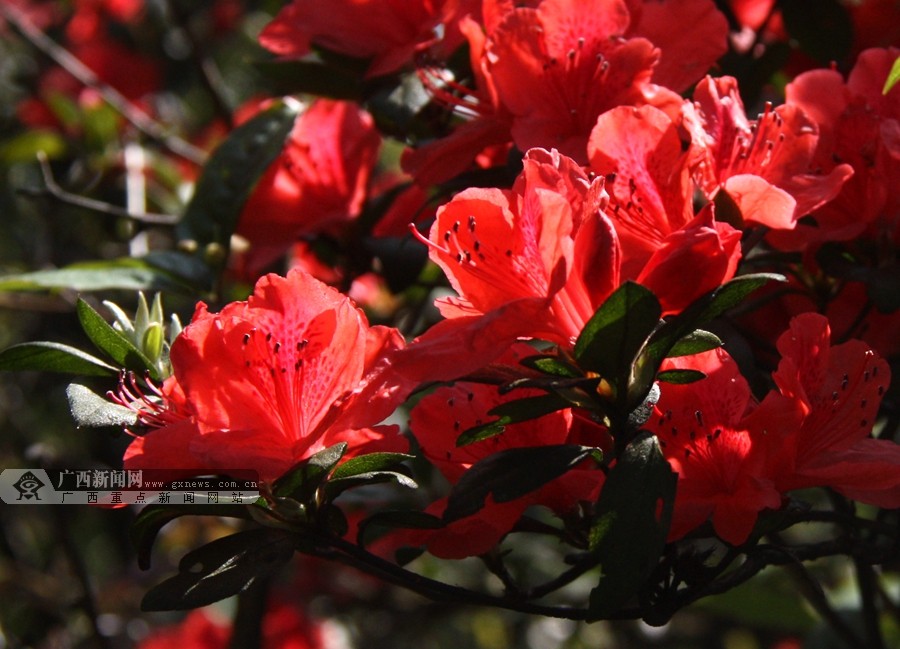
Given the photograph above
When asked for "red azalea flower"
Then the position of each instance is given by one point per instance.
(544, 75)
(715, 451)
(765, 165)
(390, 32)
(690, 34)
(735, 458)
(267, 382)
(650, 207)
(533, 261)
(836, 392)
(859, 127)
(317, 185)
(439, 419)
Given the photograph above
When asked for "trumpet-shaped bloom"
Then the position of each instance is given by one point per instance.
(317, 185)
(836, 391)
(533, 261)
(650, 207)
(736, 458)
(859, 127)
(765, 165)
(268, 382)
(544, 74)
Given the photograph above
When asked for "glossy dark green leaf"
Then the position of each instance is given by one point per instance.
(53, 357)
(153, 518)
(633, 516)
(228, 179)
(333, 488)
(112, 343)
(220, 569)
(511, 474)
(301, 481)
(552, 365)
(368, 463)
(702, 311)
(680, 377)
(90, 410)
(511, 412)
(695, 342)
(614, 335)
(381, 522)
(125, 274)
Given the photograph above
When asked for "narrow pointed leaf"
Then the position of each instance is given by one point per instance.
(53, 357)
(511, 474)
(680, 377)
(301, 481)
(153, 518)
(512, 412)
(552, 365)
(634, 513)
(113, 343)
(695, 342)
(333, 488)
(368, 463)
(614, 335)
(228, 179)
(701, 312)
(390, 520)
(220, 569)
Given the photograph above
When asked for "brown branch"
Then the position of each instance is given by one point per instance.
(66, 60)
(53, 190)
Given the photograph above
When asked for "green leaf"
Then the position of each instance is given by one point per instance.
(680, 377)
(333, 488)
(696, 342)
(112, 343)
(633, 516)
(53, 357)
(702, 311)
(228, 179)
(552, 365)
(614, 335)
(368, 528)
(153, 518)
(511, 474)
(126, 274)
(893, 77)
(368, 463)
(511, 412)
(220, 569)
(301, 481)
(91, 410)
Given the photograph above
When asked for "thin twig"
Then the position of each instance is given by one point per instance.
(66, 60)
(51, 188)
